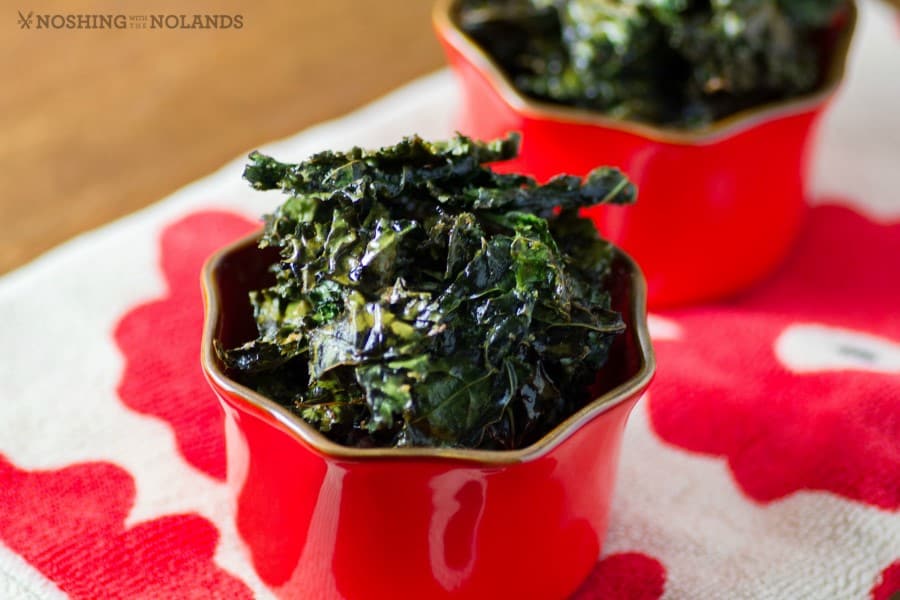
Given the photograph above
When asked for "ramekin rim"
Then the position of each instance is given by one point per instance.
(449, 31)
(318, 442)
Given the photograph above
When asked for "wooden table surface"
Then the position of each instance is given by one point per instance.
(98, 123)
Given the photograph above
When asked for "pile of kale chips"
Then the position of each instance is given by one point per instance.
(421, 299)
(682, 63)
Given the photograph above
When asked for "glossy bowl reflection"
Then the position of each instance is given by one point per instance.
(323, 520)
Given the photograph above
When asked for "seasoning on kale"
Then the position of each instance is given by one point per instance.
(422, 299)
(673, 62)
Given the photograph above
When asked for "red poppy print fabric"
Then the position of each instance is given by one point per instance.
(69, 524)
(630, 575)
(797, 383)
(163, 379)
(705, 411)
(888, 585)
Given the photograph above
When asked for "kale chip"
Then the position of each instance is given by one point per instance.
(421, 299)
(681, 63)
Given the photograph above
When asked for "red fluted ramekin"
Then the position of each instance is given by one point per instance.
(718, 207)
(323, 520)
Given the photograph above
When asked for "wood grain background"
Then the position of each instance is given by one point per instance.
(98, 123)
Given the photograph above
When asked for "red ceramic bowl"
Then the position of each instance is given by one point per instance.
(717, 207)
(323, 520)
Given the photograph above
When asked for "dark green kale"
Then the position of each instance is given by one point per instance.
(422, 299)
(673, 62)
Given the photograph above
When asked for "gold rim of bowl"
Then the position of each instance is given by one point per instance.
(443, 17)
(316, 440)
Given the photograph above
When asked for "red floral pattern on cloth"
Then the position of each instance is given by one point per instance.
(164, 379)
(721, 390)
(888, 585)
(625, 576)
(69, 525)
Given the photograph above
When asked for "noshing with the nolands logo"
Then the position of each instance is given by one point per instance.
(123, 21)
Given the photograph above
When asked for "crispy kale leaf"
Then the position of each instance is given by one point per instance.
(422, 299)
(674, 62)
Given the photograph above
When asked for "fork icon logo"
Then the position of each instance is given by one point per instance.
(25, 20)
